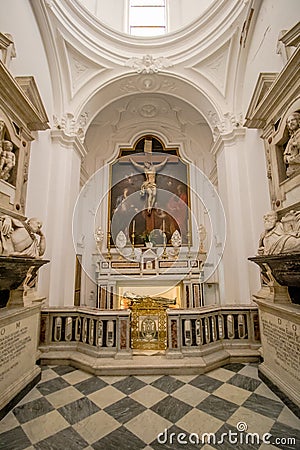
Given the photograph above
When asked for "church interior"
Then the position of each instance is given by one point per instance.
(150, 224)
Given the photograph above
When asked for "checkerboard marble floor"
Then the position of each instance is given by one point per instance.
(70, 410)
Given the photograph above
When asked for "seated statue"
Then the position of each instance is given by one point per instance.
(24, 239)
(280, 236)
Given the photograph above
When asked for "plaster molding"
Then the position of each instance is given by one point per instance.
(67, 22)
(84, 176)
(68, 133)
(281, 93)
(292, 36)
(146, 83)
(218, 18)
(228, 140)
(148, 64)
(7, 47)
(81, 68)
(215, 67)
(213, 175)
(70, 126)
(229, 123)
(263, 84)
(155, 109)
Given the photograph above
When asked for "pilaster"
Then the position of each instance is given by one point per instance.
(67, 153)
(231, 151)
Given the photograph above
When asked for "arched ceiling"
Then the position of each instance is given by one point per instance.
(91, 65)
(180, 13)
(171, 119)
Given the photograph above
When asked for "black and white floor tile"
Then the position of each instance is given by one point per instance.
(71, 410)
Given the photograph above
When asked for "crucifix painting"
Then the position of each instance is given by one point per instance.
(149, 185)
(149, 194)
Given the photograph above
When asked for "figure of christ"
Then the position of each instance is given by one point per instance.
(149, 185)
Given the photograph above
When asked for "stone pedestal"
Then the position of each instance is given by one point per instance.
(281, 273)
(280, 338)
(15, 274)
(19, 330)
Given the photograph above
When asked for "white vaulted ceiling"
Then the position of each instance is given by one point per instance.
(93, 65)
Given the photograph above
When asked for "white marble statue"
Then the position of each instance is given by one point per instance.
(291, 154)
(99, 236)
(7, 160)
(280, 236)
(22, 239)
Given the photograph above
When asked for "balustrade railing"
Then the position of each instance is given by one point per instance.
(107, 333)
(195, 329)
(93, 330)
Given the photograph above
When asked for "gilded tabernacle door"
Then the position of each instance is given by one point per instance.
(149, 324)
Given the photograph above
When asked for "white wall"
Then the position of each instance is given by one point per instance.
(274, 16)
(54, 170)
(19, 21)
(183, 12)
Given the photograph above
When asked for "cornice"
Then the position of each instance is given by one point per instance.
(227, 139)
(14, 100)
(69, 141)
(284, 88)
(5, 41)
(292, 37)
(29, 86)
(263, 84)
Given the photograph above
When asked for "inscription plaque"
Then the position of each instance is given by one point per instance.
(281, 343)
(18, 346)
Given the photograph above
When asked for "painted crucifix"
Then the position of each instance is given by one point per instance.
(148, 187)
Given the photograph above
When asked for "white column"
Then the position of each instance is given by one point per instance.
(67, 151)
(244, 193)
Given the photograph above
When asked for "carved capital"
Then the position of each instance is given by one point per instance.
(70, 126)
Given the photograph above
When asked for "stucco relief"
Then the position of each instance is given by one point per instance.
(229, 122)
(146, 83)
(215, 67)
(70, 126)
(148, 64)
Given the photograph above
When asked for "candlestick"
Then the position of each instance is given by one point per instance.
(164, 253)
(132, 241)
(108, 256)
(163, 225)
(189, 238)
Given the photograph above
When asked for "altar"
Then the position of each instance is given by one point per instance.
(173, 278)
